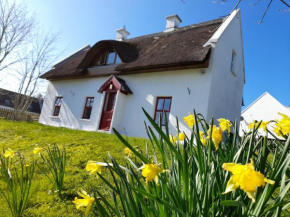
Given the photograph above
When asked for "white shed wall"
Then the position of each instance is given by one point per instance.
(265, 108)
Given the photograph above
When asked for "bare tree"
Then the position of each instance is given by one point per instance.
(37, 60)
(16, 25)
(283, 2)
(25, 53)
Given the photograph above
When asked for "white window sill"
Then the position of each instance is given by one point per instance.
(55, 117)
(104, 131)
(84, 119)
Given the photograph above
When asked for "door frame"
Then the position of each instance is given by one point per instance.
(102, 109)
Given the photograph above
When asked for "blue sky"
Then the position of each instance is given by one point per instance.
(266, 45)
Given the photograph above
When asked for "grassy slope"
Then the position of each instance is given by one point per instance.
(81, 146)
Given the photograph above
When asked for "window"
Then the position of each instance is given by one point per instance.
(88, 107)
(162, 108)
(107, 58)
(7, 102)
(57, 106)
(233, 61)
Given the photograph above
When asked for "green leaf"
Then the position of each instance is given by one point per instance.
(143, 158)
(162, 134)
(159, 200)
(232, 203)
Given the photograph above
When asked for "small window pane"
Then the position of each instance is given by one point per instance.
(58, 101)
(90, 102)
(56, 111)
(167, 104)
(111, 57)
(87, 113)
(157, 117)
(160, 104)
(7, 102)
(167, 117)
(233, 61)
(118, 60)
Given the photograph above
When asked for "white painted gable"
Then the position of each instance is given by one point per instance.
(265, 108)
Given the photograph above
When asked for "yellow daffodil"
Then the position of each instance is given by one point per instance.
(37, 150)
(85, 202)
(264, 125)
(282, 127)
(172, 139)
(216, 135)
(277, 130)
(225, 124)
(201, 137)
(93, 167)
(128, 152)
(245, 177)
(189, 120)
(9, 153)
(256, 123)
(151, 171)
(253, 124)
(181, 136)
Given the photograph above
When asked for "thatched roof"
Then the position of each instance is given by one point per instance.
(181, 47)
(67, 67)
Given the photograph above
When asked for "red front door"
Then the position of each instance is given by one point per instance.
(108, 111)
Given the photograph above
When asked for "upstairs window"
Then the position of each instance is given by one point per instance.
(163, 105)
(88, 107)
(57, 105)
(233, 62)
(109, 57)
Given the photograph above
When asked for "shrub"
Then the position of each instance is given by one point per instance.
(54, 161)
(17, 176)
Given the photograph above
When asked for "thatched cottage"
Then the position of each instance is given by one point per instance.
(172, 72)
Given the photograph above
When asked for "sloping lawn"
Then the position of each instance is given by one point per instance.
(81, 146)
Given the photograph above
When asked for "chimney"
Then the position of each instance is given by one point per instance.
(122, 34)
(172, 22)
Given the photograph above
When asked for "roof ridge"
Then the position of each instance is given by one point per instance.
(183, 28)
(254, 102)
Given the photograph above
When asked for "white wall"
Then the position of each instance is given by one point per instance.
(129, 117)
(265, 108)
(74, 93)
(146, 87)
(226, 90)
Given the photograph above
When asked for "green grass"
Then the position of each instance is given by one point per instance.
(81, 146)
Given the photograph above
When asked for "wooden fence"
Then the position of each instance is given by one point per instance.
(27, 116)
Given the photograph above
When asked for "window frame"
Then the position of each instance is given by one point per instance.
(107, 56)
(233, 62)
(157, 110)
(58, 106)
(103, 61)
(88, 107)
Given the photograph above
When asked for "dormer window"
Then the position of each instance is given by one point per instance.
(109, 57)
